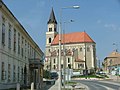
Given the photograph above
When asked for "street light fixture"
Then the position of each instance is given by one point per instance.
(60, 29)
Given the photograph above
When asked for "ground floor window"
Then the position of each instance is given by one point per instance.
(3, 71)
(9, 73)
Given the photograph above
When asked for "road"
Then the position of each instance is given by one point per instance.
(100, 85)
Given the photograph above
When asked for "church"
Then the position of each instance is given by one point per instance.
(78, 50)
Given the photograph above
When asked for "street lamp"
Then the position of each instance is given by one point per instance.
(86, 71)
(60, 29)
(64, 56)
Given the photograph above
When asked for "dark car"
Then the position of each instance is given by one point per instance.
(54, 75)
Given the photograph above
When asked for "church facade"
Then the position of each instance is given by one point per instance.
(78, 50)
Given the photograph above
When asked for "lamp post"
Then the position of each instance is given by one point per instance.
(86, 71)
(64, 57)
(60, 29)
(116, 50)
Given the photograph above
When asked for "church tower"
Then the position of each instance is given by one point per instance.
(51, 32)
(52, 29)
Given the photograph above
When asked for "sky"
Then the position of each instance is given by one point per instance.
(99, 18)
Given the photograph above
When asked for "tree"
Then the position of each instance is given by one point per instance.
(46, 74)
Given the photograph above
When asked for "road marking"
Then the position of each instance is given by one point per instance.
(110, 82)
(108, 88)
(93, 86)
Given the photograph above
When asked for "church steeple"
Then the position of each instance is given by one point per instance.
(52, 18)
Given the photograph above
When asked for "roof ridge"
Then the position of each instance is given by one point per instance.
(74, 37)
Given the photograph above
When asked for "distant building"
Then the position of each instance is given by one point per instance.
(18, 53)
(111, 63)
(76, 45)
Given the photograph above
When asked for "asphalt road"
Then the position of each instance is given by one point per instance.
(100, 85)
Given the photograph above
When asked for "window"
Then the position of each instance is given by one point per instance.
(18, 43)
(81, 49)
(22, 47)
(14, 42)
(22, 52)
(54, 67)
(48, 50)
(34, 54)
(3, 71)
(80, 65)
(28, 49)
(69, 66)
(9, 37)
(14, 74)
(88, 49)
(3, 34)
(21, 73)
(50, 29)
(54, 60)
(55, 29)
(49, 40)
(18, 73)
(68, 60)
(9, 74)
(61, 65)
(25, 47)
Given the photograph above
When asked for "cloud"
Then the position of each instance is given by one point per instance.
(112, 27)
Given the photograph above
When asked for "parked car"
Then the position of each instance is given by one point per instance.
(54, 75)
(101, 73)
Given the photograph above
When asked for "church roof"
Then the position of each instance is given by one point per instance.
(114, 54)
(75, 37)
(52, 17)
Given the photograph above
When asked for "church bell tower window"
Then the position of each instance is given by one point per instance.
(50, 29)
(49, 40)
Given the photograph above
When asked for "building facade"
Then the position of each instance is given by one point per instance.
(111, 63)
(78, 49)
(17, 50)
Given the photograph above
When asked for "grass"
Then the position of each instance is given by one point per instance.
(70, 82)
(91, 76)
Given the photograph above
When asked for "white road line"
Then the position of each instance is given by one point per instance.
(110, 82)
(94, 87)
(108, 88)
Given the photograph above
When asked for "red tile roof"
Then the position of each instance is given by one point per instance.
(71, 38)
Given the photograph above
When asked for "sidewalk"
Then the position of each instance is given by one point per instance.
(113, 78)
(77, 86)
(55, 86)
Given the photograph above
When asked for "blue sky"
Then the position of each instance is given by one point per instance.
(99, 18)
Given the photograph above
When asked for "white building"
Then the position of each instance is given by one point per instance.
(17, 50)
(79, 48)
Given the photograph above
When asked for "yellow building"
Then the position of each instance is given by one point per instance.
(18, 52)
(111, 63)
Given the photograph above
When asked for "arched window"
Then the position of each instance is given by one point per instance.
(55, 29)
(49, 40)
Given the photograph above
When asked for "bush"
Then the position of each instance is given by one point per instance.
(46, 74)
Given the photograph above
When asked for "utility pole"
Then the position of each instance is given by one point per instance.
(86, 71)
(99, 65)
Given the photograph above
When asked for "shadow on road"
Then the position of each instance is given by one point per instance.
(48, 84)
